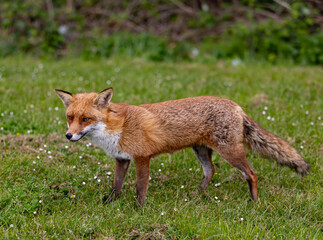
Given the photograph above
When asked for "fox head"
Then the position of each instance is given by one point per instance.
(83, 111)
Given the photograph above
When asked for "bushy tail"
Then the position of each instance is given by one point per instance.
(273, 147)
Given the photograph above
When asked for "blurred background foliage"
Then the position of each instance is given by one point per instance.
(165, 30)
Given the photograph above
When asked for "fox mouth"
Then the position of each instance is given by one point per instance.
(77, 137)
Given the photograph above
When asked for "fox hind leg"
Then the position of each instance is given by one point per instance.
(204, 154)
(235, 155)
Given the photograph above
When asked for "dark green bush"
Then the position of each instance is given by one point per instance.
(164, 30)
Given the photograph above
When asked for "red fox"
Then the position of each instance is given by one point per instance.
(138, 133)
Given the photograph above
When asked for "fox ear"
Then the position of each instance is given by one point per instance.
(103, 100)
(66, 97)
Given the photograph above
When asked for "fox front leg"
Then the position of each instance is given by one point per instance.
(142, 173)
(121, 170)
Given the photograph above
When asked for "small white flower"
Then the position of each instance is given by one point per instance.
(11, 113)
(1, 128)
(29, 131)
(162, 164)
(62, 29)
(49, 109)
(266, 108)
(99, 163)
(2, 114)
(216, 198)
(25, 111)
(49, 152)
(35, 212)
(40, 201)
(56, 108)
(83, 183)
(109, 173)
(34, 162)
(38, 157)
(217, 184)
(66, 147)
(80, 157)
(301, 147)
(241, 219)
(190, 169)
(163, 213)
(73, 196)
(149, 178)
(159, 170)
(45, 146)
(307, 112)
(95, 177)
(34, 169)
(11, 225)
(185, 200)
(74, 167)
(31, 105)
(182, 186)
(175, 209)
(272, 119)
(195, 52)
(263, 112)
(50, 156)
(108, 82)
(99, 180)
(312, 123)
(40, 149)
(319, 118)
(268, 117)
(236, 62)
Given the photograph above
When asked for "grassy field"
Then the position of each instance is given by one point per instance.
(52, 189)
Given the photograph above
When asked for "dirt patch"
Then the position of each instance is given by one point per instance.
(28, 142)
(35, 143)
(156, 231)
(259, 99)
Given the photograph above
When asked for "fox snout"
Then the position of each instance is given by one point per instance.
(75, 137)
(69, 136)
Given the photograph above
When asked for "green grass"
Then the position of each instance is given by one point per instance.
(42, 195)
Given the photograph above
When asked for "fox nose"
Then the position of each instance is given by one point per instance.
(69, 136)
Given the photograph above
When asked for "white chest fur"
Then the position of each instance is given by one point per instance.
(107, 141)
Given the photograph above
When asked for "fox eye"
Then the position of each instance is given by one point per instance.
(70, 118)
(85, 119)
